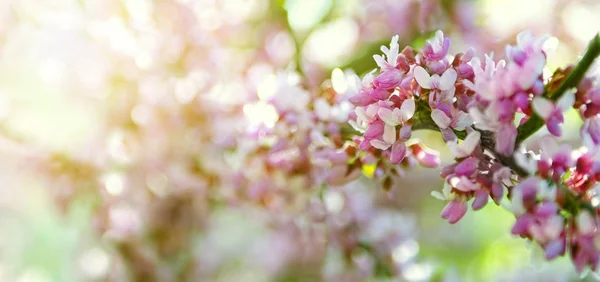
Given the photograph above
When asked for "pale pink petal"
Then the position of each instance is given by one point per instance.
(469, 85)
(585, 223)
(554, 227)
(361, 115)
(543, 107)
(566, 101)
(505, 139)
(322, 109)
(469, 144)
(524, 37)
(461, 120)
(380, 61)
(381, 145)
(398, 152)
(371, 111)
(455, 149)
(440, 118)
(550, 45)
(448, 79)
(549, 146)
(422, 77)
(389, 134)
(407, 109)
(387, 116)
(464, 184)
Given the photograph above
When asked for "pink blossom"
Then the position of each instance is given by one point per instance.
(437, 48)
(552, 113)
(459, 121)
(398, 116)
(590, 132)
(454, 210)
(398, 152)
(444, 83)
(505, 139)
(390, 55)
(389, 79)
(467, 147)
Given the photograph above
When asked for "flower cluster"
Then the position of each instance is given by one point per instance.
(212, 160)
(492, 105)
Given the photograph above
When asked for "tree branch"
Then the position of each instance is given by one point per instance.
(535, 122)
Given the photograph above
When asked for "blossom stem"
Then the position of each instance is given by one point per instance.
(535, 122)
(422, 120)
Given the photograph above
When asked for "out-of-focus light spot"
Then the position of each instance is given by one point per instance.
(157, 183)
(334, 201)
(94, 263)
(114, 183)
(304, 14)
(329, 44)
(33, 275)
(4, 107)
(405, 252)
(237, 11)
(582, 21)
(550, 45)
(417, 272)
(141, 114)
(118, 149)
(261, 113)
(140, 10)
(208, 17)
(124, 222)
(523, 14)
(281, 48)
(121, 39)
(143, 60)
(185, 90)
(267, 88)
(258, 73)
(338, 81)
(53, 72)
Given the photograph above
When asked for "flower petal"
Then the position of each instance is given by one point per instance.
(549, 146)
(398, 152)
(322, 109)
(407, 109)
(585, 223)
(389, 134)
(566, 101)
(448, 79)
(381, 145)
(461, 120)
(454, 211)
(543, 107)
(422, 77)
(472, 140)
(440, 118)
(387, 116)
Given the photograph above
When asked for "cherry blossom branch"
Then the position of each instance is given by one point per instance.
(422, 120)
(533, 124)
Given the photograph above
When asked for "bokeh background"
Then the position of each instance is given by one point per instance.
(118, 119)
